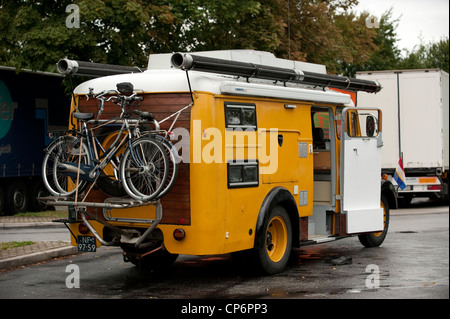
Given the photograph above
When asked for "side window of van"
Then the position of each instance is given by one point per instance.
(240, 115)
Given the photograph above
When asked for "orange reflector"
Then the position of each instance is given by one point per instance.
(83, 229)
(179, 234)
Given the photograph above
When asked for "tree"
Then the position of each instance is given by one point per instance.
(386, 56)
(433, 55)
(35, 33)
(325, 32)
(232, 24)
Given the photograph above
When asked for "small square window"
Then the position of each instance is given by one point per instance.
(235, 174)
(240, 115)
(233, 116)
(250, 173)
(243, 174)
(249, 116)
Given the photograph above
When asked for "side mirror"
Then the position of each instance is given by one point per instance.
(370, 126)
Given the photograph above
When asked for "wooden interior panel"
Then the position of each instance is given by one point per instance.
(322, 160)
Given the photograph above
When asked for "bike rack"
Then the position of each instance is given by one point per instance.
(80, 206)
(128, 236)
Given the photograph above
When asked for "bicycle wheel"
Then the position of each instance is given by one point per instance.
(109, 180)
(173, 160)
(144, 168)
(64, 150)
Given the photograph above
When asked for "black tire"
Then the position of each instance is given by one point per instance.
(273, 243)
(59, 151)
(144, 169)
(173, 160)
(16, 198)
(2, 200)
(38, 189)
(376, 239)
(405, 200)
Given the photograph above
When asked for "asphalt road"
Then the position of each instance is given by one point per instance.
(413, 263)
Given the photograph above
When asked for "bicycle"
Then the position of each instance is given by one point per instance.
(141, 163)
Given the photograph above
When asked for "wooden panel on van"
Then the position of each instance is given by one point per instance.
(176, 203)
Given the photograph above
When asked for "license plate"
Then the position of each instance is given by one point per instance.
(87, 243)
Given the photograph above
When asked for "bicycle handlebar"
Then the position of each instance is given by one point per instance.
(100, 95)
(124, 100)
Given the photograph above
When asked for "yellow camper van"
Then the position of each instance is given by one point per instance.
(268, 158)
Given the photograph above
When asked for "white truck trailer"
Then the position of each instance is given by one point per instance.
(415, 105)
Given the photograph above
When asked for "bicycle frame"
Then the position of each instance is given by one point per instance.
(99, 153)
(93, 143)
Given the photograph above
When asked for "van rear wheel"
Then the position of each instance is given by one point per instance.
(274, 242)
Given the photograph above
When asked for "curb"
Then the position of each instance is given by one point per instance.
(32, 224)
(37, 257)
(422, 211)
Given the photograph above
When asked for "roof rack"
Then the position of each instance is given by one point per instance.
(70, 67)
(185, 61)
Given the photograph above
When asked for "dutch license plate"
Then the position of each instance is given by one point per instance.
(87, 243)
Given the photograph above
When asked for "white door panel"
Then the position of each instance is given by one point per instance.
(360, 175)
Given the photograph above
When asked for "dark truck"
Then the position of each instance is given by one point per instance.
(31, 105)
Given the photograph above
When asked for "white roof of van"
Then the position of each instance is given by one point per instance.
(166, 81)
(162, 78)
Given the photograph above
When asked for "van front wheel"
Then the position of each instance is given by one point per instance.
(376, 239)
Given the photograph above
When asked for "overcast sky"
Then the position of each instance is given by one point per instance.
(428, 19)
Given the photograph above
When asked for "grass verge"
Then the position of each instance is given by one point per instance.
(49, 213)
(15, 244)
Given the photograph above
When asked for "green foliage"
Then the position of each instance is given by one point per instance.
(14, 244)
(34, 34)
(386, 56)
(432, 55)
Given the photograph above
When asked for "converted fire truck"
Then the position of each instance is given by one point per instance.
(268, 158)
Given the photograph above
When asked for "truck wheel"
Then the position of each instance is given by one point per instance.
(17, 198)
(376, 239)
(38, 189)
(273, 243)
(2, 201)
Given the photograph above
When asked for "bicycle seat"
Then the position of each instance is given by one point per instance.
(145, 115)
(84, 116)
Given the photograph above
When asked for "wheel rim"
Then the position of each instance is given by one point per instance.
(276, 239)
(144, 173)
(65, 184)
(19, 199)
(378, 234)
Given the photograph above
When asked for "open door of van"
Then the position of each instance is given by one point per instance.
(360, 170)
